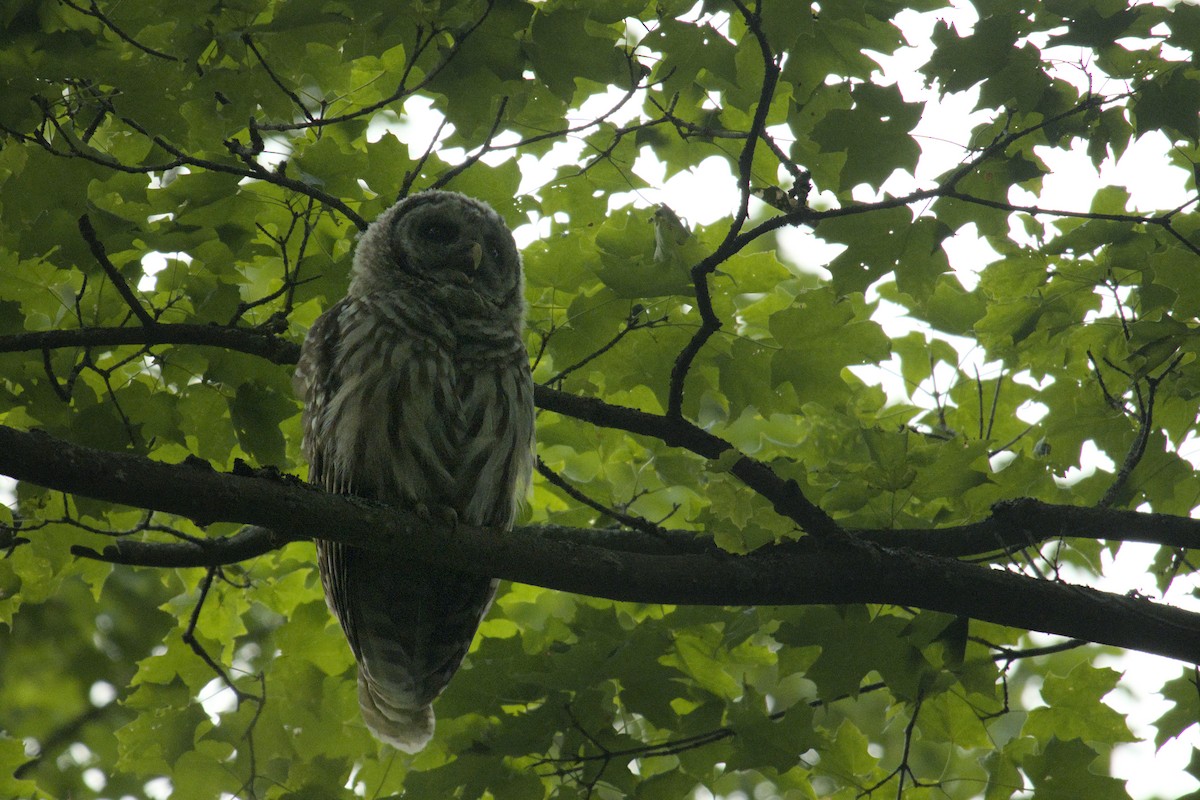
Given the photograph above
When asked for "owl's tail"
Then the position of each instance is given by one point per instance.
(408, 729)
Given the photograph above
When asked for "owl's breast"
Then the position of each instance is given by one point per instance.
(418, 421)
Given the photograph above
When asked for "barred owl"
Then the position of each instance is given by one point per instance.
(417, 392)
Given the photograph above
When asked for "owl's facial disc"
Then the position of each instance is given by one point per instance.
(439, 230)
(451, 244)
(444, 243)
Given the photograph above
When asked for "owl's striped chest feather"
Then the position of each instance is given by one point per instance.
(422, 415)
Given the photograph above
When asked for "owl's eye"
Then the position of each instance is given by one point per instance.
(440, 231)
(496, 251)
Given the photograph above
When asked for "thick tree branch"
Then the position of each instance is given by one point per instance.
(571, 560)
(1013, 525)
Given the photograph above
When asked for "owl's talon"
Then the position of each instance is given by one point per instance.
(444, 516)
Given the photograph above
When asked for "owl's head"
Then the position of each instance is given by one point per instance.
(444, 243)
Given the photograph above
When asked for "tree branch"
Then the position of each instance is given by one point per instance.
(710, 323)
(251, 341)
(402, 90)
(118, 280)
(1013, 524)
(784, 495)
(94, 11)
(571, 560)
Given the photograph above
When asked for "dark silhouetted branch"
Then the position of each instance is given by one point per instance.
(587, 562)
(243, 340)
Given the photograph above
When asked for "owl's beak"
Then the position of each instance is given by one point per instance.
(476, 255)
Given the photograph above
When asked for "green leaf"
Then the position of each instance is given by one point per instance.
(1064, 770)
(696, 656)
(1074, 709)
(774, 740)
(257, 412)
(1157, 105)
(1181, 692)
(852, 647)
(819, 336)
(12, 757)
(873, 133)
(592, 55)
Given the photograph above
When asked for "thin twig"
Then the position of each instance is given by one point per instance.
(402, 89)
(251, 341)
(114, 275)
(94, 11)
(1009, 654)
(275, 79)
(189, 638)
(632, 324)
(257, 172)
(411, 175)
(470, 161)
(996, 451)
(628, 520)
(1145, 426)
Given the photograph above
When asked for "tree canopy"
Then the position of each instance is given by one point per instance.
(750, 566)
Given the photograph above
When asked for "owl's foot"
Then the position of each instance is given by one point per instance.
(442, 516)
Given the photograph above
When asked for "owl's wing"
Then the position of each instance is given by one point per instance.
(316, 381)
(320, 373)
(316, 377)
